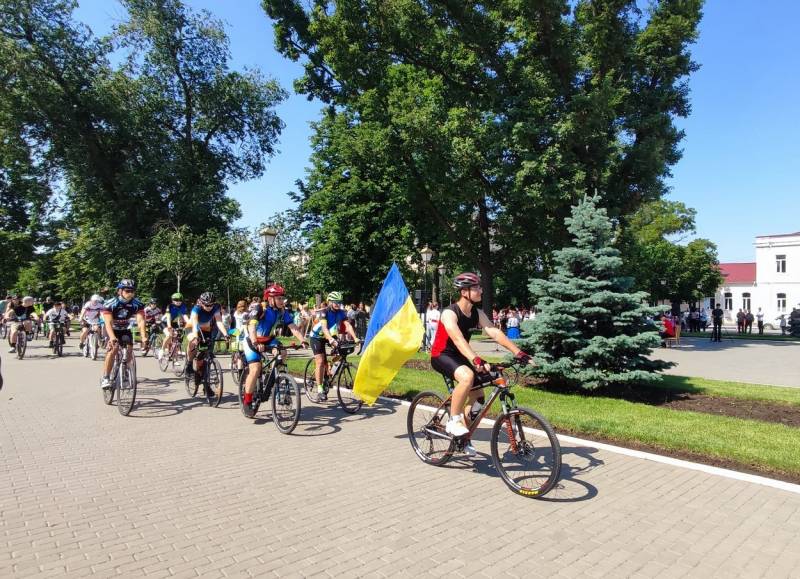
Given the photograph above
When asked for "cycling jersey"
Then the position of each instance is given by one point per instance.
(442, 343)
(333, 317)
(204, 318)
(176, 313)
(56, 316)
(122, 313)
(92, 312)
(20, 312)
(266, 325)
(151, 315)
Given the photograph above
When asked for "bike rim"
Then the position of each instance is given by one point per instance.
(285, 404)
(427, 429)
(348, 399)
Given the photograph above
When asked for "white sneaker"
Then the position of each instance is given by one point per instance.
(105, 384)
(159, 353)
(456, 426)
(470, 450)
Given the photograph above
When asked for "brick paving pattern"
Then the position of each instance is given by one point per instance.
(182, 490)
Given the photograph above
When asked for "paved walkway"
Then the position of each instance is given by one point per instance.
(755, 362)
(180, 489)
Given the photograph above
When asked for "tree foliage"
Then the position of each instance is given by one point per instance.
(480, 123)
(592, 329)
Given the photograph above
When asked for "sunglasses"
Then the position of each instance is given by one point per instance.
(128, 291)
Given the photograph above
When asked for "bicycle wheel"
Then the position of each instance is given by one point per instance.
(3, 331)
(426, 428)
(164, 360)
(108, 395)
(126, 395)
(178, 359)
(213, 383)
(22, 343)
(526, 452)
(348, 400)
(285, 401)
(237, 367)
(191, 384)
(59, 346)
(310, 382)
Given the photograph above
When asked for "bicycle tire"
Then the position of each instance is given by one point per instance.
(348, 399)
(178, 360)
(59, 347)
(3, 331)
(164, 360)
(516, 422)
(285, 402)
(22, 343)
(108, 393)
(423, 421)
(310, 382)
(191, 384)
(237, 367)
(126, 394)
(213, 384)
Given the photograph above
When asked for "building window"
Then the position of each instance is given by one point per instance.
(781, 303)
(780, 262)
(728, 301)
(746, 301)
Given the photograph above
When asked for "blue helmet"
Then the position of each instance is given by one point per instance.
(126, 284)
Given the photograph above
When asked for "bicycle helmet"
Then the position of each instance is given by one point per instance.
(274, 290)
(126, 284)
(466, 280)
(177, 296)
(27, 301)
(152, 301)
(335, 297)
(97, 298)
(206, 298)
(255, 310)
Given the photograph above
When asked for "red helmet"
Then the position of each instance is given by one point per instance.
(274, 290)
(466, 280)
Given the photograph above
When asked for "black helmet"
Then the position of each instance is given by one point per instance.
(466, 280)
(207, 298)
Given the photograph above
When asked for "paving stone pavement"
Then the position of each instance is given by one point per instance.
(182, 490)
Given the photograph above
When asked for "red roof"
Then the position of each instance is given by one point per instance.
(738, 272)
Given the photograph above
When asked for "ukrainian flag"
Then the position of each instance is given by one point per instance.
(395, 332)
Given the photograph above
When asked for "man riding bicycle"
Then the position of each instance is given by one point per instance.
(20, 312)
(56, 314)
(90, 315)
(205, 319)
(452, 356)
(328, 323)
(263, 328)
(117, 313)
(175, 317)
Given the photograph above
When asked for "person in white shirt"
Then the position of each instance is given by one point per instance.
(56, 314)
(432, 316)
(90, 316)
(760, 320)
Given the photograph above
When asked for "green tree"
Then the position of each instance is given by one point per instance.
(174, 251)
(592, 329)
(486, 121)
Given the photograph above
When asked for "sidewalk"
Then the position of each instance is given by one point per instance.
(180, 490)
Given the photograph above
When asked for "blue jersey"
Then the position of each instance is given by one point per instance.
(269, 320)
(121, 312)
(204, 318)
(176, 313)
(333, 317)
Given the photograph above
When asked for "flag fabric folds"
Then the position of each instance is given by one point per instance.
(394, 333)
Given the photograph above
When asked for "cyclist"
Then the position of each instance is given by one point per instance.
(152, 316)
(91, 314)
(174, 317)
(205, 319)
(452, 356)
(263, 328)
(117, 314)
(328, 323)
(55, 314)
(20, 312)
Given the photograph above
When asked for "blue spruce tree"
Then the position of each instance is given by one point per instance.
(592, 330)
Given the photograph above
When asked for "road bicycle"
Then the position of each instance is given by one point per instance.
(154, 339)
(274, 383)
(3, 329)
(175, 356)
(339, 373)
(123, 379)
(92, 343)
(208, 372)
(525, 449)
(238, 364)
(21, 343)
(58, 339)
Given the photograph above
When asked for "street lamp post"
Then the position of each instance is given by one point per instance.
(442, 270)
(268, 235)
(426, 253)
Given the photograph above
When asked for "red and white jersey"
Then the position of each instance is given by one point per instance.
(92, 311)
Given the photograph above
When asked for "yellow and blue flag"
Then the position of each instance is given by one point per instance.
(394, 333)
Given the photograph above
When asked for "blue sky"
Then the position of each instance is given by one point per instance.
(741, 138)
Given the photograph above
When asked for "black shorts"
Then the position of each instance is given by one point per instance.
(123, 336)
(317, 346)
(447, 364)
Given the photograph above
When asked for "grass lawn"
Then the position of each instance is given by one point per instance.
(761, 446)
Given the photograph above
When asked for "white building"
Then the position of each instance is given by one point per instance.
(771, 283)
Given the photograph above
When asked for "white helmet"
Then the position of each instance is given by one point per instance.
(97, 298)
(27, 301)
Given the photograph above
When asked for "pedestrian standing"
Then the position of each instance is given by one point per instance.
(748, 322)
(433, 316)
(760, 320)
(782, 323)
(740, 322)
(716, 318)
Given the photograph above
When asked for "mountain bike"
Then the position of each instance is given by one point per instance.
(208, 372)
(238, 364)
(525, 450)
(58, 339)
(22, 340)
(279, 387)
(339, 374)
(154, 339)
(175, 356)
(123, 379)
(92, 343)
